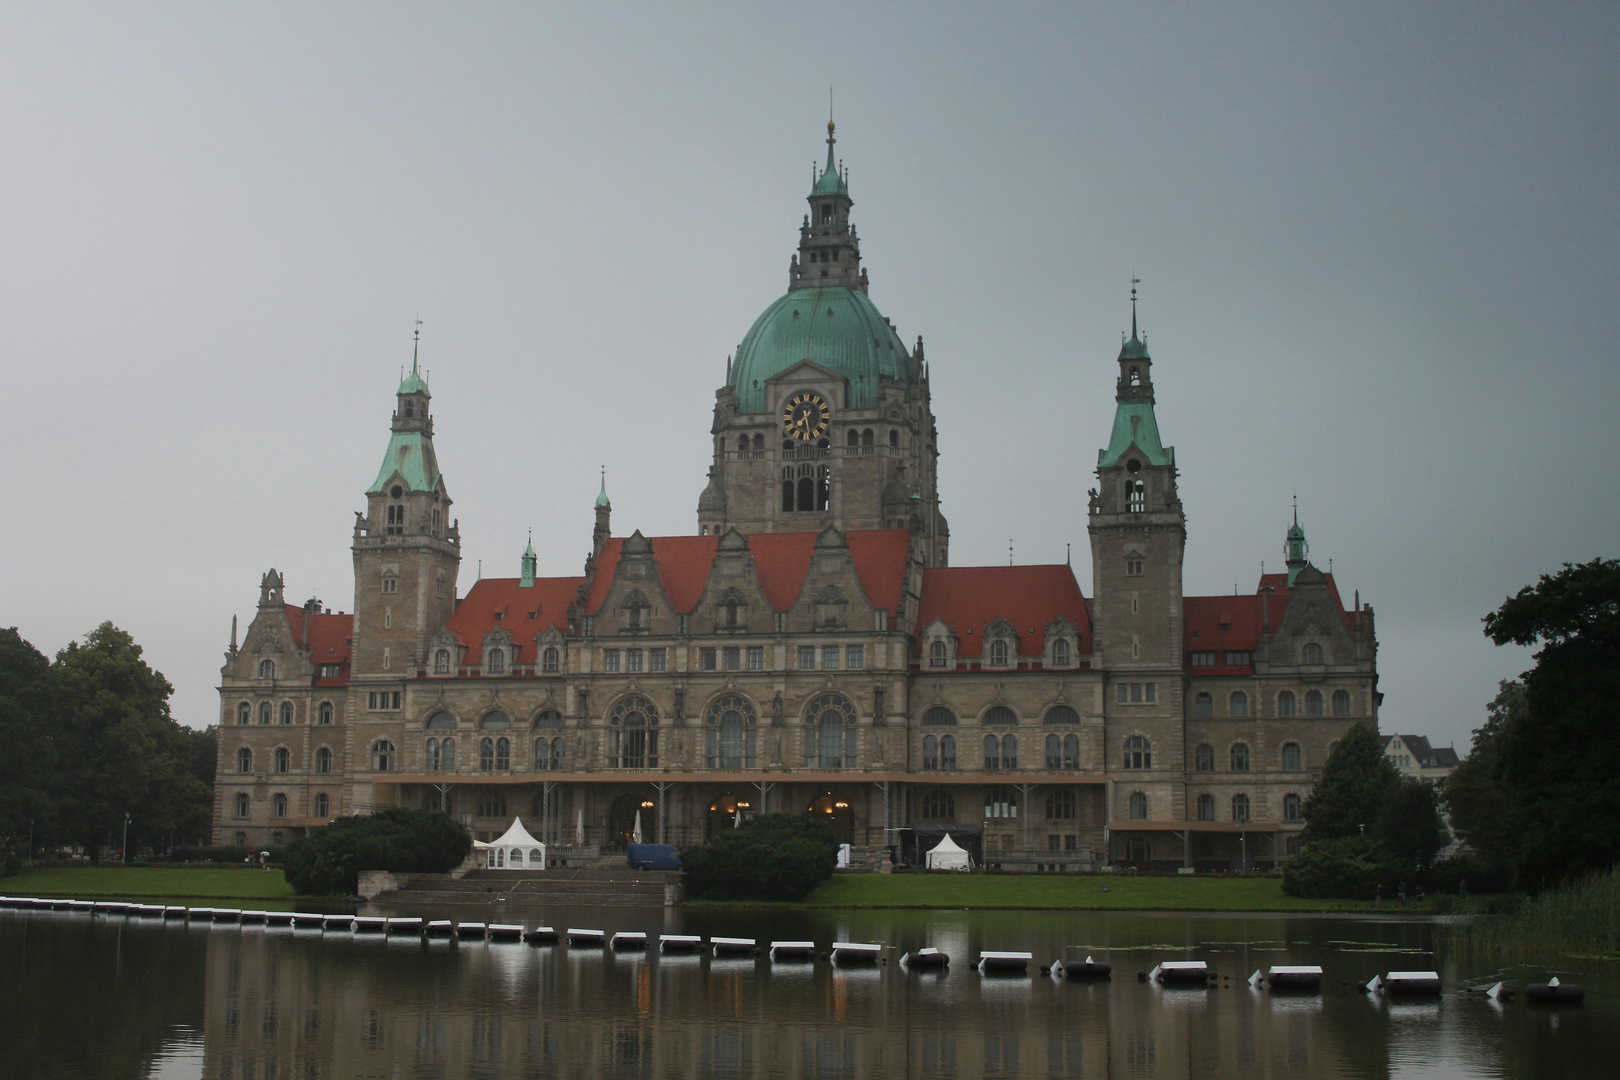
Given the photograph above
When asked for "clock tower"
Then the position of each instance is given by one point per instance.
(825, 418)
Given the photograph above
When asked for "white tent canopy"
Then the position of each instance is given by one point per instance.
(515, 850)
(947, 855)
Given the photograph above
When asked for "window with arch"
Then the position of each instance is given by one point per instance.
(491, 803)
(730, 741)
(440, 721)
(447, 755)
(1311, 653)
(930, 752)
(1138, 806)
(1206, 808)
(939, 752)
(503, 753)
(1062, 751)
(829, 740)
(936, 654)
(1240, 808)
(282, 759)
(382, 756)
(1001, 804)
(242, 804)
(1292, 759)
(266, 711)
(1313, 703)
(486, 754)
(324, 712)
(1291, 807)
(244, 760)
(759, 443)
(998, 653)
(1204, 758)
(549, 660)
(854, 439)
(1000, 716)
(939, 716)
(286, 712)
(441, 662)
(430, 755)
(1063, 805)
(548, 718)
(1238, 705)
(867, 437)
(267, 669)
(1136, 496)
(1240, 757)
(1341, 703)
(938, 805)
(1061, 653)
(1203, 705)
(1062, 714)
(496, 663)
(1285, 703)
(1001, 753)
(548, 753)
(1138, 753)
(633, 734)
(787, 484)
(278, 804)
(244, 713)
(323, 759)
(323, 805)
(894, 437)
(496, 720)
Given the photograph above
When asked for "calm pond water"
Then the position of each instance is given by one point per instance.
(117, 997)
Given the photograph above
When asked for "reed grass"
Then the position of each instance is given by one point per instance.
(1583, 919)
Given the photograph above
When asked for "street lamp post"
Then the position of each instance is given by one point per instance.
(124, 850)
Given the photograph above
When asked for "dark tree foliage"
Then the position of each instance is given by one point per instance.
(1560, 756)
(1409, 824)
(1479, 802)
(769, 857)
(1357, 783)
(27, 751)
(328, 861)
(1346, 867)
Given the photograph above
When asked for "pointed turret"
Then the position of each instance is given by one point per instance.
(528, 563)
(829, 250)
(1134, 420)
(1296, 547)
(604, 511)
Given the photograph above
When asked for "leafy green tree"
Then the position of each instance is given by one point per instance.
(27, 749)
(1409, 823)
(1345, 867)
(1357, 783)
(328, 861)
(1477, 799)
(1560, 757)
(769, 857)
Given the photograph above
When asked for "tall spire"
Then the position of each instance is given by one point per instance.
(1135, 281)
(528, 564)
(1296, 547)
(601, 497)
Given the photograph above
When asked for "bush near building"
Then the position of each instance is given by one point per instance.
(770, 857)
(328, 861)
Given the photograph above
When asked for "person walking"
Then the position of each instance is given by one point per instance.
(1400, 890)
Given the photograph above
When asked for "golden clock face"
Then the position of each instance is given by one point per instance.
(806, 416)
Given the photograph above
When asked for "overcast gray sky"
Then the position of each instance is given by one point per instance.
(1378, 246)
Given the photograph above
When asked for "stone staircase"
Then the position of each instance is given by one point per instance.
(618, 887)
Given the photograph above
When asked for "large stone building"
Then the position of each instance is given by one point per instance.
(809, 648)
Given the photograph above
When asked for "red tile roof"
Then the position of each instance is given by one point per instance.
(524, 613)
(969, 598)
(1219, 623)
(328, 639)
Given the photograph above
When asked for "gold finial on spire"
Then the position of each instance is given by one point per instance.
(416, 345)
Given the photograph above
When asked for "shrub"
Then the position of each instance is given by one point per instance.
(770, 857)
(1349, 868)
(328, 861)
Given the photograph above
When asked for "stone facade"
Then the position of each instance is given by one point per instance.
(809, 649)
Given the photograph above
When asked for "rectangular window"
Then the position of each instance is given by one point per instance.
(1133, 567)
(733, 658)
(610, 659)
(656, 659)
(1237, 659)
(1054, 842)
(707, 659)
(807, 656)
(632, 659)
(371, 700)
(1150, 692)
(1136, 691)
(756, 658)
(1071, 842)
(1203, 659)
(390, 584)
(829, 657)
(855, 656)
(383, 699)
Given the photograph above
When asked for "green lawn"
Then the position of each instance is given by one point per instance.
(89, 882)
(1061, 892)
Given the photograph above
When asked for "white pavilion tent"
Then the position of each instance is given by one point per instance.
(515, 850)
(947, 855)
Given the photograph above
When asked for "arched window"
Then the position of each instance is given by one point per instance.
(936, 654)
(486, 754)
(548, 660)
(503, 753)
(1071, 751)
(1138, 806)
(992, 752)
(382, 756)
(548, 753)
(947, 751)
(441, 662)
(1239, 704)
(1206, 808)
(267, 669)
(491, 803)
(241, 837)
(286, 712)
(807, 493)
(854, 439)
(430, 755)
(441, 721)
(1311, 653)
(1062, 805)
(938, 805)
(265, 712)
(998, 653)
(1240, 808)
(323, 760)
(1313, 703)
(759, 443)
(894, 437)
(241, 804)
(278, 804)
(1203, 705)
(549, 718)
(282, 759)
(1138, 753)
(447, 754)
(866, 437)
(325, 712)
(496, 662)
(1000, 715)
(1136, 495)
(830, 732)
(244, 760)
(1291, 807)
(1060, 652)
(323, 805)
(633, 734)
(787, 485)
(1054, 752)
(1204, 758)
(494, 721)
(1009, 751)
(1291, 758)
(1341, 703)
(938, 716)
(1062, 714)
(930, 752)
(1240, 757)
(730, 737)
(244, 713)
(1001, 803)
(1285, 703)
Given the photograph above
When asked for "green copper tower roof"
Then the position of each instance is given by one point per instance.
(1296, 547)
(1134, 421)
(837, 328)
(830, 182)
(410, 454)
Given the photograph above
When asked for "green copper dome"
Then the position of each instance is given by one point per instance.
(838, 328)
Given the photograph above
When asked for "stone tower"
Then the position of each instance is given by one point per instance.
(406, 547)
(825, 416)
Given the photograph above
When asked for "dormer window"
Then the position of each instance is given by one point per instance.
(497, 661)
(998, 654)
(936, 654)
(441, 662)
(1060, 653)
